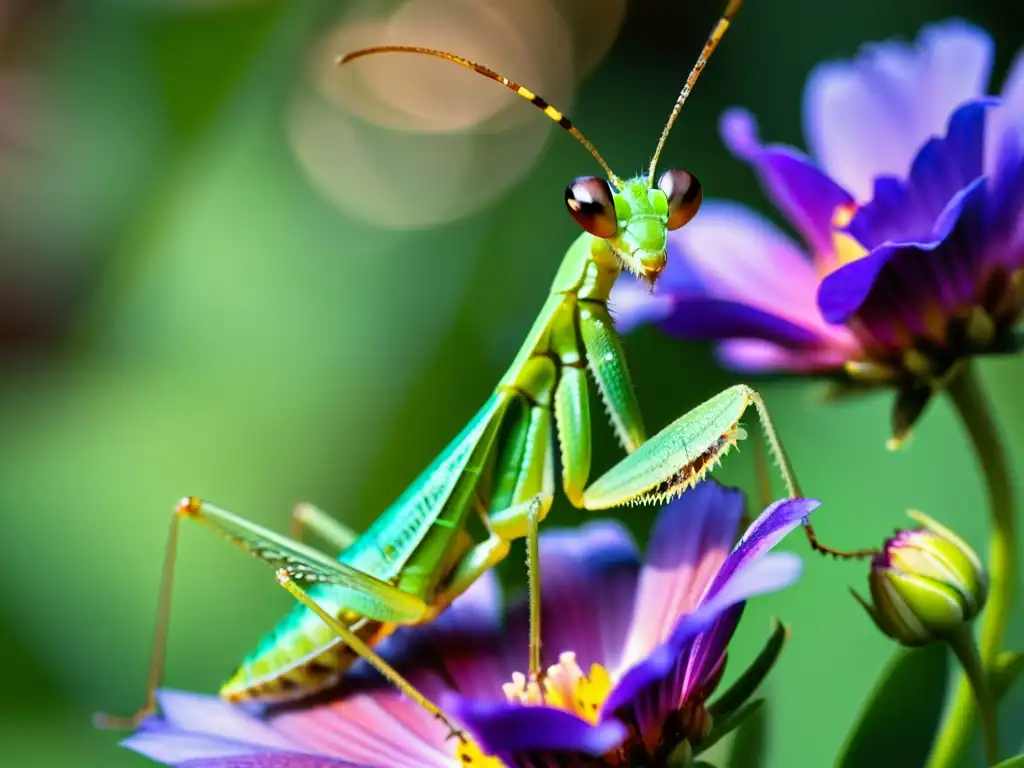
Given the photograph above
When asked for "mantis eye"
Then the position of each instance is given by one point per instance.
(590, 202)
(684, 195)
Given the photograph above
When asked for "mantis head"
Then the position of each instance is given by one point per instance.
(635, 218)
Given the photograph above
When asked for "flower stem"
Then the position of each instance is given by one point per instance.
(973, 408)
(966, 651)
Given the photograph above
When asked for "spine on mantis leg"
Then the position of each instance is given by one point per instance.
(607, 362)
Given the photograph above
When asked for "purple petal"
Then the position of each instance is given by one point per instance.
(272, 760)
(465, 644)
(1006, 199)
(868, 117)
(504, 729)
(632, 304)
(170, 746)
(766, 574)
(213, 716)
(758, 356)
(908, 211)
(769, 529)
(688, 544)
(575, 564)
(469, 639)
(1013, 95)
(902, 278)
(192, 727)
(741, 258)
(807, 197)
(702, 319)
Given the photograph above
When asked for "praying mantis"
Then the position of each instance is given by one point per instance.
(420, 553)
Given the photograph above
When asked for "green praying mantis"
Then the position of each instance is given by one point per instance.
(421, 553)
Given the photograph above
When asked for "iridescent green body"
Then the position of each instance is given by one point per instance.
(500, 462)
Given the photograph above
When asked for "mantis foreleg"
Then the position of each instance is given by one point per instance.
(681, 454)
(608, 365)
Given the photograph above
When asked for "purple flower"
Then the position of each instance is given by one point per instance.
(634, 653)
(911, 215)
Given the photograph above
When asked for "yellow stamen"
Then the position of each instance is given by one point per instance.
(564, 687)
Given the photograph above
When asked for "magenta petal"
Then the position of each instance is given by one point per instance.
(868, 117)
(739, 256)
(688, 544)
(271, 760)
(505, 729)
(758, 356)
(766, 574)
(806, 195)
(379, 728)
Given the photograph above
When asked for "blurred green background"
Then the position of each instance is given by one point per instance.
(227, 269)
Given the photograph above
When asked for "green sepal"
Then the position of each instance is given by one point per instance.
(749, 741)
(743, 688)
(724, 727)
(1008, 665)
(898, 722)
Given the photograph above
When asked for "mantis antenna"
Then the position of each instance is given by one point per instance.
(555, 115)
(709, 47)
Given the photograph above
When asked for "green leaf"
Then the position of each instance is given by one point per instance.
(741, 690)
(1012, 762)
(748, 749)
(733, 721)
(898, 723)
(1008, 665)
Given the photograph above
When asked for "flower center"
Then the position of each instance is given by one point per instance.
(565, 686)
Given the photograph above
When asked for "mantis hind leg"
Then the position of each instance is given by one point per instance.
(105, 721)
(353, 641)
(371, 597)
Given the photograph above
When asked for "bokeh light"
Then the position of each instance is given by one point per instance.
(230, 267)
(452, 141)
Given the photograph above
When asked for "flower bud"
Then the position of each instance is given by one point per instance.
(926, 584)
